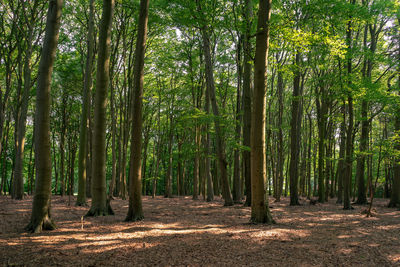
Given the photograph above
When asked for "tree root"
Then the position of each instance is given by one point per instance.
(37, 226)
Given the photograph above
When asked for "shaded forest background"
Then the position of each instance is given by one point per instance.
(332, 113)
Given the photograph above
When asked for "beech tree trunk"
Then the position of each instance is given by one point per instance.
(100, 205)
(247, 49)
(135, 211)
(41, 216)
(295, 132)
(260, 212)
(210, 187)
(84, 123)
(226, 191)
(349, 133)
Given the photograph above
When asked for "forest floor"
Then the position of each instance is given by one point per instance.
(183, 232)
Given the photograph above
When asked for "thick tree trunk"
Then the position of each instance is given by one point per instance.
(84, 123)
(395, 194)
(135, 211)
(100, 205)
(260, 212)
(41, 217)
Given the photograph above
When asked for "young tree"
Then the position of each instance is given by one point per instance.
(135, 211)
(247, 49)
(260, 212)
(40, 218)
(226, 192)
(100, 205)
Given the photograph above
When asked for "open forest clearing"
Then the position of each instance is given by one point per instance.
(182, 232)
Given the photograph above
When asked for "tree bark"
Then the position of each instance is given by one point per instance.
(41, 216)
(260, 212)
(226, 192)
(84, 123)
(247, 49)
(349, 133)
(135, 211)
(100, 206)
(295, 132)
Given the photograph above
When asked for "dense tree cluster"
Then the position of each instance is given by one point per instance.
(242, 99)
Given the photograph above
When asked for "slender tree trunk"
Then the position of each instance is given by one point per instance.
(41, 217)
(210, 188)
(342, 152)
(84, 123)
(236, 192)
(62, 144)
(21, 128)
(247, 49)
(226, 192)
(280, 159)
(349, 133)
(168, 185)
(100, 205)
(135, 211)
(295, 135)
(260, 212)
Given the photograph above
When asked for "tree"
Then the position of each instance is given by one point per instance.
(100, 205)
(247, 49)
(135, 211)
(226, 192)
(260, 212)
(83, 133)
(41, 217)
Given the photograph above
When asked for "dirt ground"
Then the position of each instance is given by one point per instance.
(183, 232)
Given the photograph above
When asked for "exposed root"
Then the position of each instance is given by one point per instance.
(38, 226)
(134, 217)
(98, 211)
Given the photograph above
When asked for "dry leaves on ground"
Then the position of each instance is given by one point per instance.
(183, 232)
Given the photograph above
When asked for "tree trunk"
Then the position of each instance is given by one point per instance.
(100, 205)
(135, 211)
(84, 123)
(210, 189)
(168, 185)
(247, 49)
(295, 131)
(41, 217)
(226, 192)
(236, 192)
(342, 151)
(395, 194)
(349, 133)
(21, 128)
(260, 212)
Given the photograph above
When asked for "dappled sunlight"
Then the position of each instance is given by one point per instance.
(203, 232)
